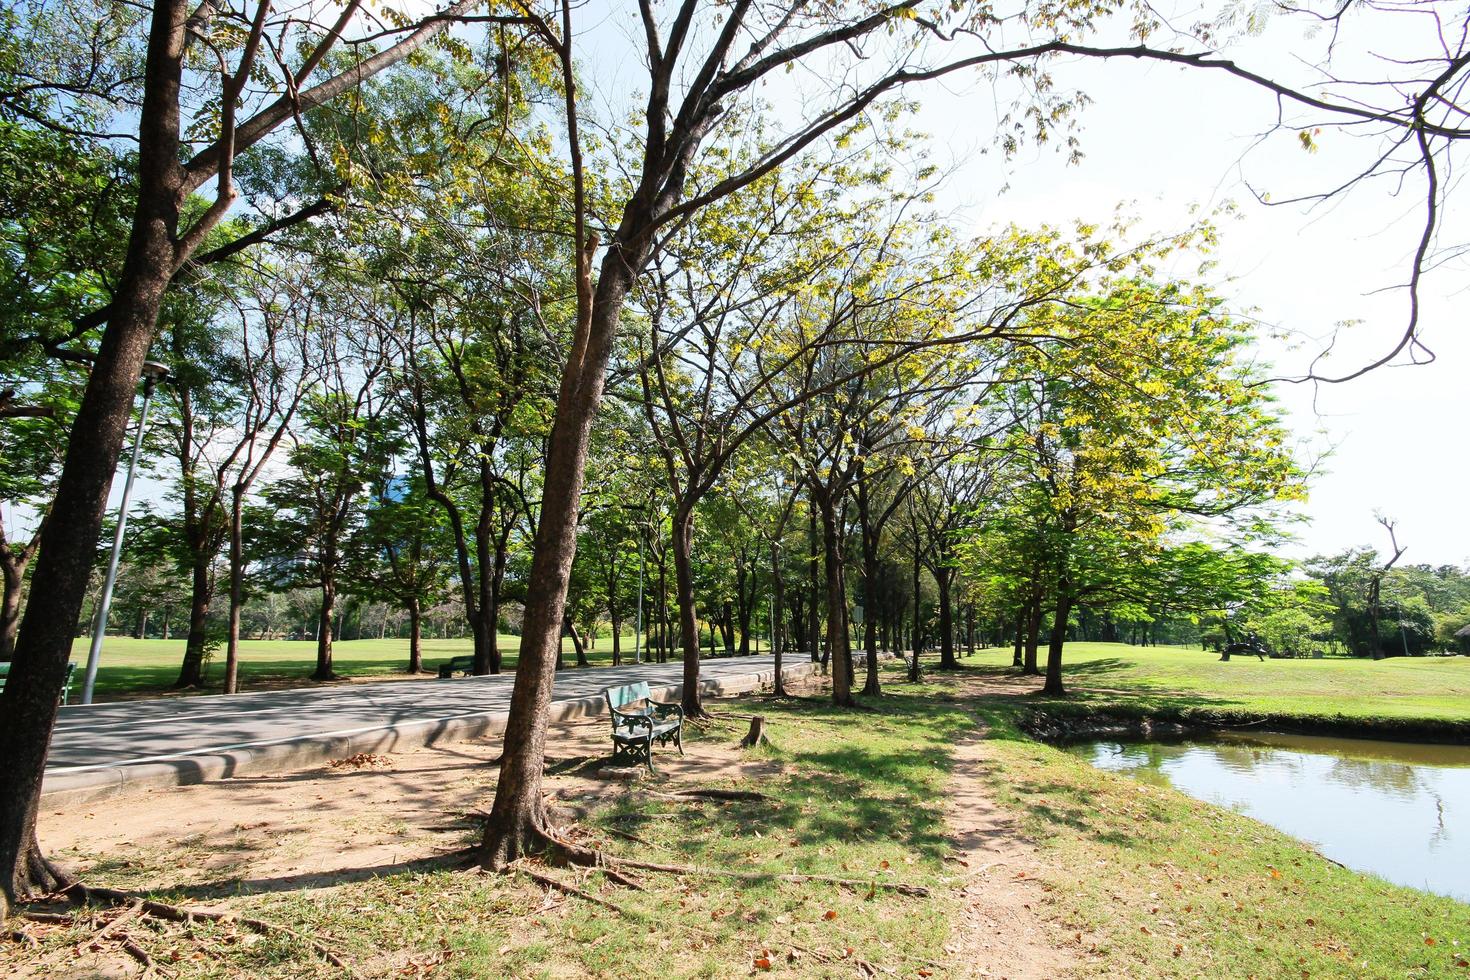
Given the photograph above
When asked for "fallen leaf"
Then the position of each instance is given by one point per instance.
(830, 914)
(762, 963)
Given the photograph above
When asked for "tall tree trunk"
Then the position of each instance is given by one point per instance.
(191, 672)
(579, 647)
(944, 577)
(13, 568)
(872, 687)
(777, 628)
(39, 665)
(518, 820)
(682, 544)
(970, 629)
(324, 634)
(837, 635)
(617, 639)
(1017, 655)
(415, 635)
(1033, 636)
(1053, 683)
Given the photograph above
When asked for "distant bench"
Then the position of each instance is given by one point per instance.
(465, 666)
(635, 730)
(71, 669)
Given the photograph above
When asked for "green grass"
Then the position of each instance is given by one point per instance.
(1162, 679)
(130, 667)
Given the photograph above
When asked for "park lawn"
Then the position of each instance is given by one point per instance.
(129, 667)
(1113, 675)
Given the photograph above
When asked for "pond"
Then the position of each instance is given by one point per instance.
(1397, 810)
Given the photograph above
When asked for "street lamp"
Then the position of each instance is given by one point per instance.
(153, 372)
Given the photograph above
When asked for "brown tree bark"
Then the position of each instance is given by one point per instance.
(191, 671)
(944, 577)
(1053, 683)
(328, 608)
(518, 822)
(415, 636)
(682, 545)
(38, 668)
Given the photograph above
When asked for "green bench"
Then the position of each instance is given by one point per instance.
(71, 669)
(634, 730)
(457, 665)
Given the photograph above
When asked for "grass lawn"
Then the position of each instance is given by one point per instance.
(1175, 678)
(130, 667)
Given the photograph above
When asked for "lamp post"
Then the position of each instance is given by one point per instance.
(638, 627)
(153, 372)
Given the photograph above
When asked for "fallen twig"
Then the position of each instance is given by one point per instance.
(21, 936)
(58, 918)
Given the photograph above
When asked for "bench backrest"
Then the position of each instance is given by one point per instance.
(627, 694)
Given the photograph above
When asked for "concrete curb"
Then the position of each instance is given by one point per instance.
(69, 788)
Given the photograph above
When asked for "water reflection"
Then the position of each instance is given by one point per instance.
(1398, 810)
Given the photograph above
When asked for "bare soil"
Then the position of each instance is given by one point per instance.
(368, 816)
(1005, 930)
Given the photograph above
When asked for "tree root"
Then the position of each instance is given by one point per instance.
(902, 887)
(567, 888)
(709, 794)
(89, 894)
(141, 955)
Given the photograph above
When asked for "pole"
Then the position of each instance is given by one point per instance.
(638, 631)
(105, 602)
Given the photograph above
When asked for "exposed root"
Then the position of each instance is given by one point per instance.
(56, 918)
(709, 794)
(622, 879)
(23, 937)
(141, 955)
(565, 887)
(88, 894)
(902, 887)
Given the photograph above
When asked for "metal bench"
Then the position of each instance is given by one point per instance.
(634, 730)
(457, 665)
(71, 669)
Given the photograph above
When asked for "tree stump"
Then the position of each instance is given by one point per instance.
(757, 734)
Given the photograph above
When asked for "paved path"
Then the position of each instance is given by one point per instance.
(99, 749)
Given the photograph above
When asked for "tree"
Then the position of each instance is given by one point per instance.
(348, 446)
(400, 555)
(244, 103)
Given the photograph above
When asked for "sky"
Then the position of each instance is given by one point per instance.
(1161, 140)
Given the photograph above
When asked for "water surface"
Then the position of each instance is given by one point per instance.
(1398, 810)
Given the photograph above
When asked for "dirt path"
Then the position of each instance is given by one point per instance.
(1004, 931)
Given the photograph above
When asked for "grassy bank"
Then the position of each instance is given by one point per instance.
(1163, 885)
(132, 667)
